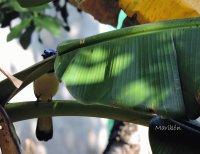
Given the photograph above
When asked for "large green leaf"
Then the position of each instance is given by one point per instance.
(32, 3)
(171, 137)
(142, 68)
(8, 90)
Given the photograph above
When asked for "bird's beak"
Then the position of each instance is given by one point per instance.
(43, 55)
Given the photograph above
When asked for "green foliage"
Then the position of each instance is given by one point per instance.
(28, 3)
(25, 38)
(140, 68)
(16, 31)
(43, 22)
(33, 19)
(129, 74)
(135, 68)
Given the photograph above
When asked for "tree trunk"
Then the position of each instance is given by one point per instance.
(120, 139)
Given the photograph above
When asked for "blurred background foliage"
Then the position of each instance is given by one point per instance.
(24, 21)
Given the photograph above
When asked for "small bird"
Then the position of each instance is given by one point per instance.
(45, 87)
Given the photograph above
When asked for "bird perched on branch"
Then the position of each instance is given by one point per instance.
(45, 87)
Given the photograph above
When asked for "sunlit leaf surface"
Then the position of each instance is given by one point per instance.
(144, 68)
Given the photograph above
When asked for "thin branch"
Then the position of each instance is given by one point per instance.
(28, 110)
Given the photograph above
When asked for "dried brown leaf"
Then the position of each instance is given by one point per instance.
(105, 11)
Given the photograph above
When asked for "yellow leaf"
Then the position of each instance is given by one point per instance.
(148, 11)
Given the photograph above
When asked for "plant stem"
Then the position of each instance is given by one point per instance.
(69, 46)
(28, 110)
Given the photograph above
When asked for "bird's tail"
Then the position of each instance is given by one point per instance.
(44, 130)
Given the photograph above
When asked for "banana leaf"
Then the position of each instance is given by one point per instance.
(150, 68)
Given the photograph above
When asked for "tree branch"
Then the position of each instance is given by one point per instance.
(28, 110)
